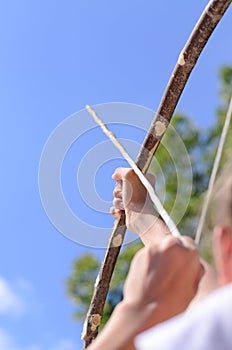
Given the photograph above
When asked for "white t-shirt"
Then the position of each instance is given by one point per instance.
(208, 326)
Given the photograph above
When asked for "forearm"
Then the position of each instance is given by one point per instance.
(119, 332)
(150, 228)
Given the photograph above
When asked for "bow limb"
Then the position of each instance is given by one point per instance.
(188, 57)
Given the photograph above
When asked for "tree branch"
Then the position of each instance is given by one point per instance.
(188, 57)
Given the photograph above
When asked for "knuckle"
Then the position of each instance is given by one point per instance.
(117, 203)
(186, 255)
(171, 243)
(116, 173)
(114, 211)
(117, 191)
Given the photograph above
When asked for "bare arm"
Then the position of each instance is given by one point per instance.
(161, 282)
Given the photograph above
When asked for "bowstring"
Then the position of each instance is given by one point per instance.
(214, 173)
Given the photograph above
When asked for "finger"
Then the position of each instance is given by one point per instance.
(170, 241)
(120, 173)
(115, 212)
(118, 204)
(118, 187)
(117, 193)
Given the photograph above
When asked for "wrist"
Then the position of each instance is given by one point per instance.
(128, 319)
(148, 226)
(139, 317)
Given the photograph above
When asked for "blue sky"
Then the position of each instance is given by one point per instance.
(57, 57)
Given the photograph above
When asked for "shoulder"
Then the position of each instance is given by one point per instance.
(206, 326)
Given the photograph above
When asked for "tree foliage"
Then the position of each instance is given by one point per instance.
(80, 284)
(201, 147)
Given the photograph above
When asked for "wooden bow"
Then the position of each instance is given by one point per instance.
(188, 57)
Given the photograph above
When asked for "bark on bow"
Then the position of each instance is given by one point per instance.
(188, 57)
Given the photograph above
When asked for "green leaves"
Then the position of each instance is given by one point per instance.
(81, 282)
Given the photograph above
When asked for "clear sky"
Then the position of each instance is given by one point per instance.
(56, 57)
